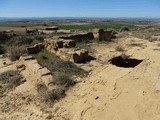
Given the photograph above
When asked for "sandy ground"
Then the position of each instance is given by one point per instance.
(107, 93)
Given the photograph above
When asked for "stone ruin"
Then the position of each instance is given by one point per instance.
(65, 49)
(42, 73)
(104, 35)
(80, 37)
(82, 56)
(64, 46)
(54, 43)
(35, 49)
(60, 44)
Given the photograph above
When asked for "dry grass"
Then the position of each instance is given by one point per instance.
(14, 52)
(55, 64)
(9, 80)
(120, 49)
(49, 96)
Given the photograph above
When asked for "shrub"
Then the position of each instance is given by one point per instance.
(14, 52)
(124, 28)
(4, 37)
(50, 96)
(54, 94)
(25, 40)
(20, 40)
(1, 50)
(120, 49)
(9, 80)
(63, 80)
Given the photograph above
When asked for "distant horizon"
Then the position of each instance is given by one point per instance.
(80, 8)
(88, 17)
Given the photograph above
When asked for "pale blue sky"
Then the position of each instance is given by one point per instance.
(80, 8)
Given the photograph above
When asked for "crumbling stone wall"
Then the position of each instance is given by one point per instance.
(42, 73)
(35, 49)
(55, 43)
(80, 37)
(103, 35)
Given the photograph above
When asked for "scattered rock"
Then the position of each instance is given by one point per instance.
(81, 56)
(35, 49)
(26, 57)
(69, 43)
(97, 98)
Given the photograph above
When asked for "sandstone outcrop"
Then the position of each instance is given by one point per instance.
(42, 72)
(103, 35)
(80, 37)
(81, 56)
(35, 49)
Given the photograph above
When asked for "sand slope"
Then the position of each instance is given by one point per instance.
(108, 92)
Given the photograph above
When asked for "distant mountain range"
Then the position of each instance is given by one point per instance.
(70, 19)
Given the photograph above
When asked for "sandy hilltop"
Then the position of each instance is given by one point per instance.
(122, 81)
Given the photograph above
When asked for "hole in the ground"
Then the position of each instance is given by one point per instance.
(121, 61)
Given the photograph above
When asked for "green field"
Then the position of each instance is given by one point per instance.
(99, 25)
(113, 25)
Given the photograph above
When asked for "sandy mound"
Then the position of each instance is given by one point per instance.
(109, 92)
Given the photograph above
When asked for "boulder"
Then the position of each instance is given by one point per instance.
(58, 44)
(103, 35)
(81, 56)
(39, 46)
(69, 43)
(26, 57)
(35, 49)
(108, 35)
(98, 34)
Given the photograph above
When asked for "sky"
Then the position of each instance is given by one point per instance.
(80, 8)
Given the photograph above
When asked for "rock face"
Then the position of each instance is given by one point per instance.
(98, 34)
(35, 49)
(55, 43)
(81, 56)
(103, 35)
(42, 72)
(69, 43)
(80, 37)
